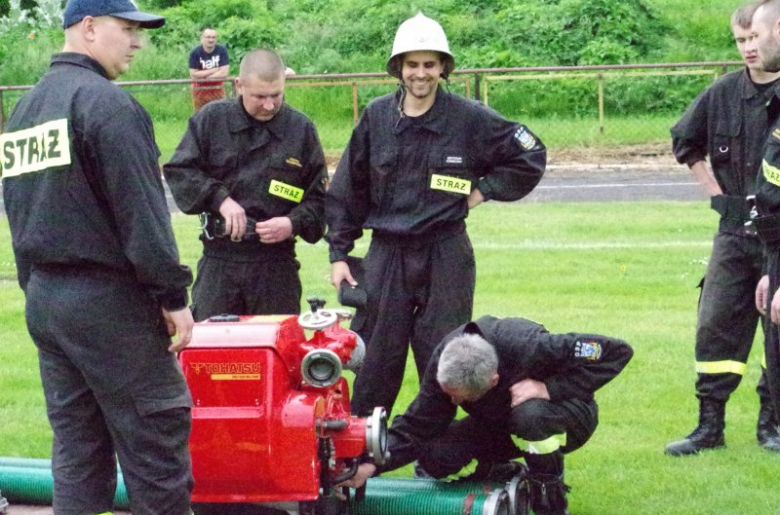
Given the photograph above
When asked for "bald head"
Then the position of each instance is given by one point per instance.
(263, 64)
(766, 25)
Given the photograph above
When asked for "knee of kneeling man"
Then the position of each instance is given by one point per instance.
(528, 419)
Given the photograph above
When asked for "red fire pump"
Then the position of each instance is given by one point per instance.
(271, 422)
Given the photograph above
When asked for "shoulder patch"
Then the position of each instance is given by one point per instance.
(524, 138)
(776, 134)
(587, 350)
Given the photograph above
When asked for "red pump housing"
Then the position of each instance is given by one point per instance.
(271, 419)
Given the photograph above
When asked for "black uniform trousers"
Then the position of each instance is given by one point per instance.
(112, 391)
(417, 292)
(728, 316)
(268, 287)
(772, 331)
(569, 423)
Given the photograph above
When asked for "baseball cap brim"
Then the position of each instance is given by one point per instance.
(145, 20)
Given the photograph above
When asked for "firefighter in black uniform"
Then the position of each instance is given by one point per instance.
(97, 260)
(728, 123)
(417, 161)
(767, 212)
(255, 167)
(528, 393)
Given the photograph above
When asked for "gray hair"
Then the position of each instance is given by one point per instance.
(262, 63)
(468, 362)
(743, 16)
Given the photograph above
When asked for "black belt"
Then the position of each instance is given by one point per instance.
(441, 232)
(214, 227)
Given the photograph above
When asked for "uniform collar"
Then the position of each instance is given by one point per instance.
(749, 89)
(436, 116)
(81, 60)
(240, 121)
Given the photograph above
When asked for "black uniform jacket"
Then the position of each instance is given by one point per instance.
(768, 184)
(570, 365)
(275, 168)
(82, 184)
(727, 122)
(411, 177)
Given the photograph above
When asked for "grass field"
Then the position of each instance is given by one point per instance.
(623, 269)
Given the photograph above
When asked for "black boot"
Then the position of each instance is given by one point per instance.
(548, 494)
(766, 430)
(707, 435)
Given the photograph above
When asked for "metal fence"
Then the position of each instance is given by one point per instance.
(607, 107)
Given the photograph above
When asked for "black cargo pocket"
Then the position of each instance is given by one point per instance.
(384, 172)
(720, 153)
(168, 418)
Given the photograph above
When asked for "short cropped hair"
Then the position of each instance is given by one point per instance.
(468, 362)
(262, 63)
(743, 16)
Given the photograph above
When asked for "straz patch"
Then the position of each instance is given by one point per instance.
(294, 162)
(525, 139)
(587, 350)
(450, 184)
(37, 148)
(771, 173)
(285, 191)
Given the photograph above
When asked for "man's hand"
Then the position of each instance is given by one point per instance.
(365, 471)
(762, 294)
(274, 230)
(528, 389)
(775, 315)
(475, 198)
(235, 219)
(179, 322)
(339, 271)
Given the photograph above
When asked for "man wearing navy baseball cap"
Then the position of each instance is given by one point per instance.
(97, 260)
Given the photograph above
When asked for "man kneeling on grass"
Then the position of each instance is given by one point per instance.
(528, 393)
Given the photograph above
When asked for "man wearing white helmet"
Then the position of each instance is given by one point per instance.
(417, 161)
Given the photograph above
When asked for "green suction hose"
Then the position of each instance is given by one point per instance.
(34, 484)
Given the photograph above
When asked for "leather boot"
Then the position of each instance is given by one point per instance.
(766, 430)
(548, 494)
(707, 435)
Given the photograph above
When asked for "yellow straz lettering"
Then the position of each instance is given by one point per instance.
(771, 173)
(37, 148)
(285, 191)
(450, 184)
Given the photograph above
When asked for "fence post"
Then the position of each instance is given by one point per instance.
(2, 107)
(476, 86)
(354, 103)
(601, 103)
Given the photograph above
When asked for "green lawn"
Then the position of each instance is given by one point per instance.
(624, 269)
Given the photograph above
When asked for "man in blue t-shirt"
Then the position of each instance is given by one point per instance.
(208, 61)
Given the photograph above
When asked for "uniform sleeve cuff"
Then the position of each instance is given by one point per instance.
(217, 199)
(486, 189)
(174, 302)
(337, 255)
